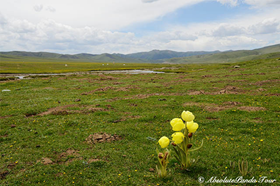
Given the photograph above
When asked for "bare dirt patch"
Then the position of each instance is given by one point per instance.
(46, 161)
(98, 90)
(103, 77)
(3, 117)
(260, 83)
(69, 152)
(274, 94)
(196, 92)
(212, 118)
(123, 89)
(66, 109)
(94, 160)
(144, 96)
(69, 156)
(3, 174)
(232, 103)
(101, 138)
(226, 90)
(216, 108)
(251, 109)
(104, 89)
(66, 157)
(211, 107)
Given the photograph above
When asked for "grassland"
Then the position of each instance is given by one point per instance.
(49, 66)
(45, 122)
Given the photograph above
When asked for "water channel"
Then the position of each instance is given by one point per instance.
(23, 76)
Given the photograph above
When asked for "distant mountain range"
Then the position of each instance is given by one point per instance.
(154, 56)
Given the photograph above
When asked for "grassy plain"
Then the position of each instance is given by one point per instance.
(49, 66)
(45, 122)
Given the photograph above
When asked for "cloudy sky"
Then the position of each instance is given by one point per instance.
(127, 26)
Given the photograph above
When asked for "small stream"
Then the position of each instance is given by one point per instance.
(23, 76)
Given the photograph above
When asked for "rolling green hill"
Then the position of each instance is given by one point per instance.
(232, 56)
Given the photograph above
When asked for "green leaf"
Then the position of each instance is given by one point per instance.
(177, 155)
(191, 150)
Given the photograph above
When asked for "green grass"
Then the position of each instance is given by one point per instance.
(48, 66)
(138, 108)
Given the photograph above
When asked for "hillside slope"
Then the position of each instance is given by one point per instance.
(231, 56)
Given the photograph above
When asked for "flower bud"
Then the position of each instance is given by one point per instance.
(190, 135)
(165, 155)
(160, 155)
(189, 145)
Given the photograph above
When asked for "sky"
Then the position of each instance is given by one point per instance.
(129, 26)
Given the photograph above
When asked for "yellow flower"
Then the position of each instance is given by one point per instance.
(187, 116)
(164, 142)
(192, 127)
(177, 137)
(177, 124)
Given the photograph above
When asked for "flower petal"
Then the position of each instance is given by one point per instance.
(187, 116)
(177, 137)
(164, 142)
(177, 124)
(192, 127)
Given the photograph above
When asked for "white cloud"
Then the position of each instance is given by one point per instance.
(3, 19)
(50, 9)
(105, 14)
(226, 29)
(211, 43)
(38, 8)
(230, 2)
(148, 1)
(262, 3)
(253, 3)
(49, 34)
(170, 35)
(267, 26)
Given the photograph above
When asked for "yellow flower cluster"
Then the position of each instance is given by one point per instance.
(178, 125)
